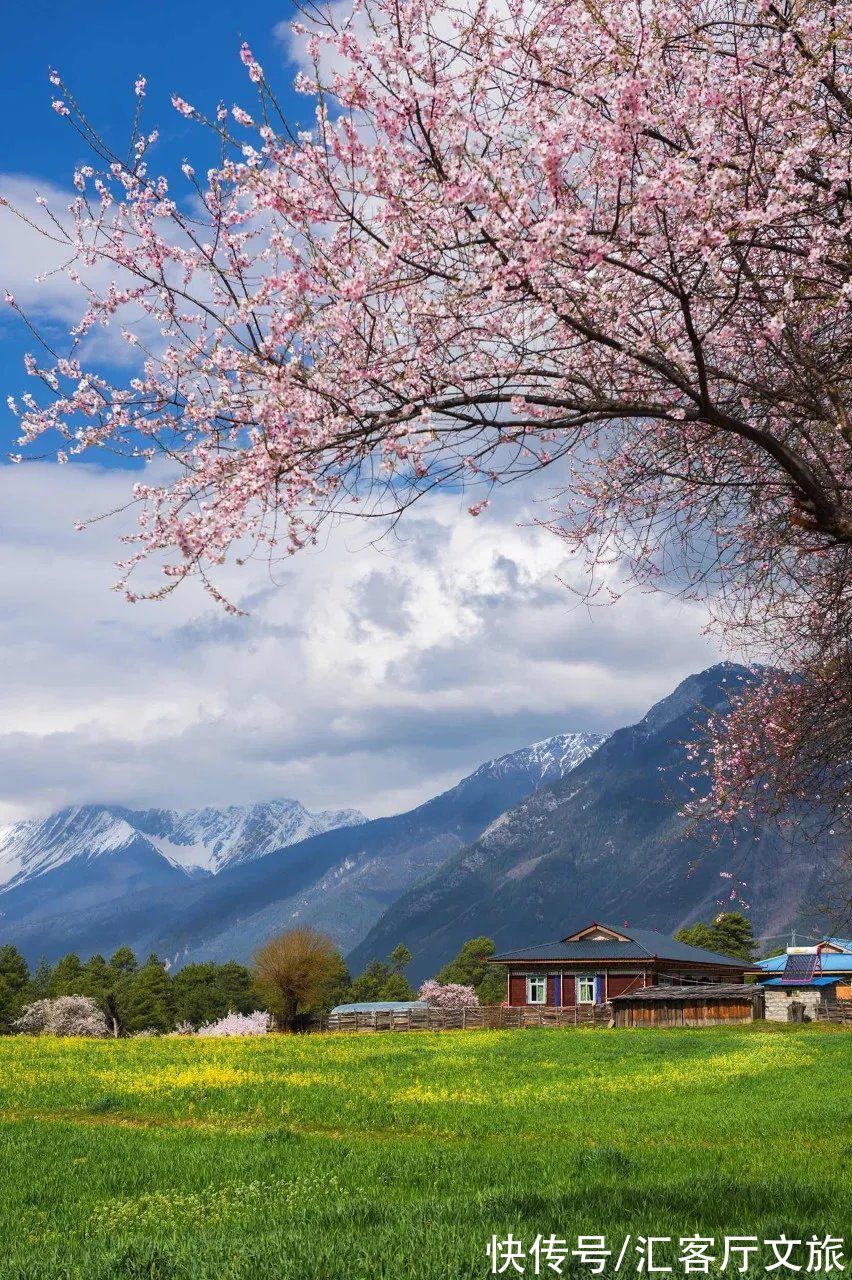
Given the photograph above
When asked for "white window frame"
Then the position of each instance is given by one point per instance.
(584, 982)
(540, 980)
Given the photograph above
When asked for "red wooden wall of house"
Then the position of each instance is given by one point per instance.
(517, 989)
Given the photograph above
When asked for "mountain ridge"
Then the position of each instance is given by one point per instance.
(193, 840)
(605, 842)
(340, 879)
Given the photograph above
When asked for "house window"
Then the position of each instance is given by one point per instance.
(537, 990)
(585, 991)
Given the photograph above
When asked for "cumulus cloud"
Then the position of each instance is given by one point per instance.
(366, 674)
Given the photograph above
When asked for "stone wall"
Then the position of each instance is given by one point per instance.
(779, 999)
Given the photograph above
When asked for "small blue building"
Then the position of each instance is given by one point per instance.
(378, 1015)
(807, 975)
(380, 1006)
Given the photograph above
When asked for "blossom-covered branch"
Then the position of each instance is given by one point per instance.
(611, 239)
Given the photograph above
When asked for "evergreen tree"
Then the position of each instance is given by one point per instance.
(698, 935)
(735, 935)
(236, 986)
(729, 934)
(13, 968)
(10, 1007)
(377, 982)
(67, 977)
(396, 987)
(98, 978)
(204, 992)
(40, 981)
(470, 968)
(123, 963)
(14, 984)
(400, 958)
(145, 998)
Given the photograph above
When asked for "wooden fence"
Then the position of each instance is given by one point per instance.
(490, 1017)
(837, 1011)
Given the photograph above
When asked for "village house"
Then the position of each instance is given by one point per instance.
(807, 976)
(598, 963)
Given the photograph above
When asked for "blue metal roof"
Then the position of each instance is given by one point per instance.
(791, 986)
(381, 1006)
(830, 962)
(643, 944)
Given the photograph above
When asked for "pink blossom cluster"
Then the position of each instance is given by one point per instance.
(765, 752)
(448, 995)
(257, 1023)
(610, 235)
(610, 239)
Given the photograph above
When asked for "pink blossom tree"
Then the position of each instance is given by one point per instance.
(612, 240)
(448, 995)
(237, 1024)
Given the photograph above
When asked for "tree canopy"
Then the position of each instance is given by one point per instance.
(469, 968)
(296, 972)
(611, 240)
(730, 933)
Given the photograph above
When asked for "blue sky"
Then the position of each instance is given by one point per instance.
(99, 49)
(363, 675)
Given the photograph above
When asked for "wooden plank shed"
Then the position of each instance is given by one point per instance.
(703, 1004)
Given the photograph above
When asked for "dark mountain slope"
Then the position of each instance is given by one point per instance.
(603, 843)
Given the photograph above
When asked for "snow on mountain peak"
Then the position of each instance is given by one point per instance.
(211, 839)
(548, 760)
(36, 845)
(205, 840)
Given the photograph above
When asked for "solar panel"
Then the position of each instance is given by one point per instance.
(800, 968)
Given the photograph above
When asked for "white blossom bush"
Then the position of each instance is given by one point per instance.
(183, 1028)
(33, 1020)
(65, 1016)
(238, 1024)
(448, 995)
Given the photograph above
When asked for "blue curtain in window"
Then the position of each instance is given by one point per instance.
(599, 988)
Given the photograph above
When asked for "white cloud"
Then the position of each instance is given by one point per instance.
(367, 675)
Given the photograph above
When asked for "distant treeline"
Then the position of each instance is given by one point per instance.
(148, 996)
(135, 997)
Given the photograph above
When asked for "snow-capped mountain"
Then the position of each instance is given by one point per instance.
(276, 865)
(606, 842)
(195, 841)
(544, 761)
(211, 839)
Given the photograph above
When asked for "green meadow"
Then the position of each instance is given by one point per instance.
(399, 1155)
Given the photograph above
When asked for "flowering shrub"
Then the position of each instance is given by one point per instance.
(65, 1016)
(238, 1024)
(449, 995)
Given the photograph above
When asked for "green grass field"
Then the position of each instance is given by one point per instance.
(399, 1155)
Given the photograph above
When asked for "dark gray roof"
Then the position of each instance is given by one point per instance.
(644, 944)
(693, 991)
